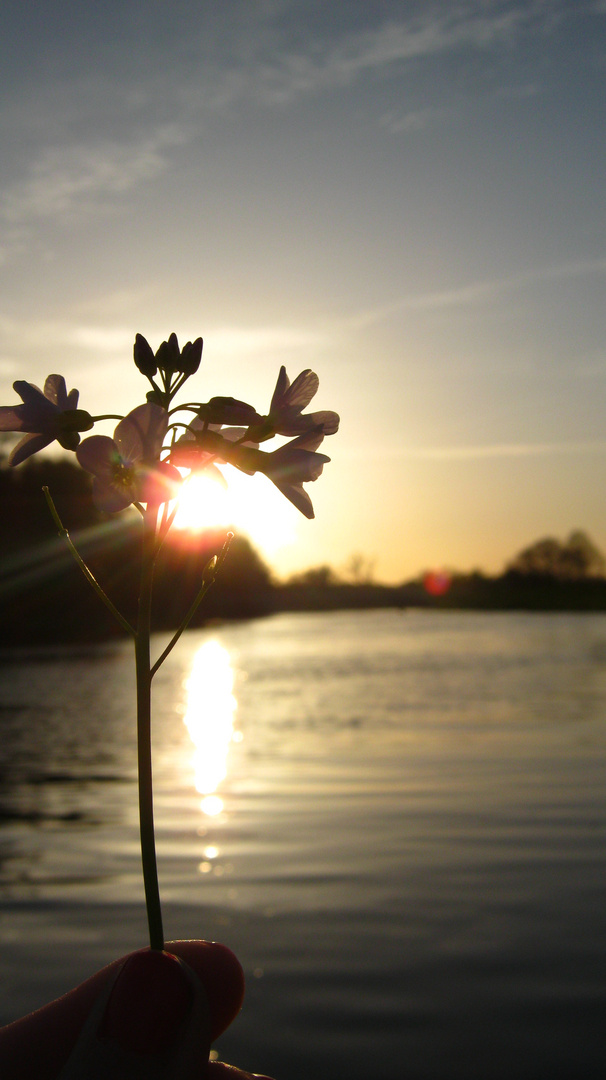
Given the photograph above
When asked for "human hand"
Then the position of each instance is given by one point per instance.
(147, 1012)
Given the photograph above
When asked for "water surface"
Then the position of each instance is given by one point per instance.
(397, 820)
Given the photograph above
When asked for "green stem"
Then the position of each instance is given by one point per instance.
(143, 674)
(208, 576)
(124, 623)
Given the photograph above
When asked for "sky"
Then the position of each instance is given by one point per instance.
(408, 198)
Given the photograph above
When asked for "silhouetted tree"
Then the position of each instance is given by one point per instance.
(576, 558)
(317, 577)
(360, 568)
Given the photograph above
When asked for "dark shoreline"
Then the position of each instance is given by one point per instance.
(42, 617)
(44, 598)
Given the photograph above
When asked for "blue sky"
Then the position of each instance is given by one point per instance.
(406, 197)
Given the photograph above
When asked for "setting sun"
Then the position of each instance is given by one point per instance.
(249, 503)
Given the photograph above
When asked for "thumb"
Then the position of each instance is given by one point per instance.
(40, 1044)
(151, 1023)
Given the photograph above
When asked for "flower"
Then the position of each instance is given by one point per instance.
(294, 464)
(45, 416)
(285, 415)
(228, 410)
(289, 467)
(203, 443)
(144, 358)
(127, 468)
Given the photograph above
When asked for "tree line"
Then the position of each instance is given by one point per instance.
(44, 597)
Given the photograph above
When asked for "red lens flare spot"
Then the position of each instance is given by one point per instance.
(436, 582)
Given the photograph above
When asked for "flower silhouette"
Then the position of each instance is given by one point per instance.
(127, 469)
(44, 416)
(169, 357)
(294, 464)
(205, 443)
(286, 415)
(289, 467)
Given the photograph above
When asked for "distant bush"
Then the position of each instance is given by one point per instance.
(576, 558)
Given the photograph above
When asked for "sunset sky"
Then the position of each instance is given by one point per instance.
(407, 197)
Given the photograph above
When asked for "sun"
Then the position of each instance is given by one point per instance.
(250, 504)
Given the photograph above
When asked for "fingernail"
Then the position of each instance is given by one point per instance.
(149, 1003)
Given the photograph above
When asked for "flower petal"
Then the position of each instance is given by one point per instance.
(11, 418)
(309, 440)
(109, 498)
(234, 434)
(141, 434)
(298, 497)
(297, 467)
(281, 387)
(328, 421)
(29, 444)
(300, 393)
(97, 455)
(159, 485)
(55, 391)
(30, 393)
(37, 412)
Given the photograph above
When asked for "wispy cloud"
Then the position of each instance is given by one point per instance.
(505, 450)
(412, 120)
(394, 42)
(480, 452)
(255, 65)
(85, 175)
(479, 292)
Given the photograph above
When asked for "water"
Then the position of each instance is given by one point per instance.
(399, 828)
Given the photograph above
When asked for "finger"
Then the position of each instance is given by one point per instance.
(40, 1044)
(218, 1070)
(221, 975)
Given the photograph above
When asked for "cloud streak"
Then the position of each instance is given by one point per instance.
(87, 174)
(480, 452)
(256, 67)
(480, 292)
(444, 29)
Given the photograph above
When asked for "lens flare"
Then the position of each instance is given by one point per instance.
(436, 582)
(250, 504)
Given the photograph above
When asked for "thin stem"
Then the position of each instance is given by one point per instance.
(208, 577)
(165, 524)
(124, 623)
(190, 406)
(143, 673)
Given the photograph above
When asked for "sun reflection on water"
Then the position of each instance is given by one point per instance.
(210, 720)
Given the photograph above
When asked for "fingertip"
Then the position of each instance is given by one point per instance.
(218, 1070)
(221, 974)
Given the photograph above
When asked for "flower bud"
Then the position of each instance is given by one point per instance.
(69, 423)
(168, 356)
(228, 410)
(208, 574)
(69, 440)
(144, 357)
(76, 420)
(191, 355)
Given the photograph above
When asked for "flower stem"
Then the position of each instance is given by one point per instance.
(90, 577)
(208, 577)
(143, 675)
